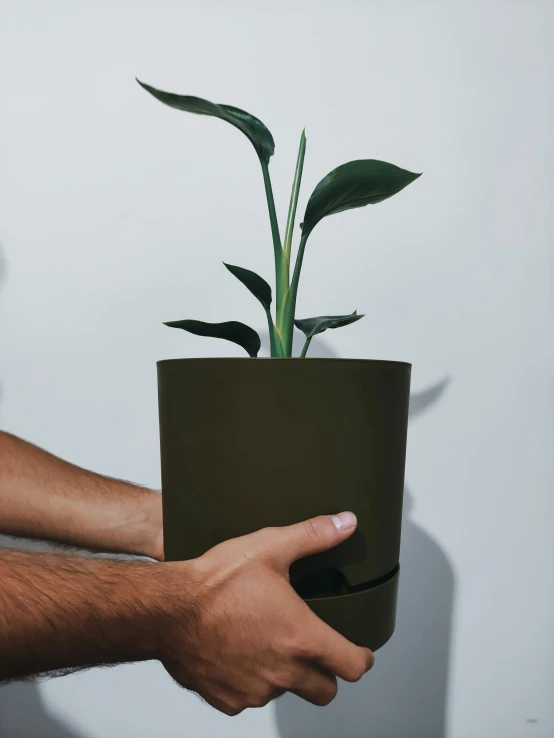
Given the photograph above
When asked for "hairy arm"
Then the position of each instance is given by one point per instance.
(42, 496)
(227, 625)
(60, 612)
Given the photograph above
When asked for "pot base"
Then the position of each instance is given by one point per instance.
(367, 618)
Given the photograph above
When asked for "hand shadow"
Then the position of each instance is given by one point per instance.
(405, 695)
(23, 713)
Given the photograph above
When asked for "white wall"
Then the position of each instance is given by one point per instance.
(117, 213)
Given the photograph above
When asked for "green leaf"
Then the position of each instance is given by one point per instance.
(257, 286)
(312, 326)
(353, 185)
(254, 129)
(230, 331)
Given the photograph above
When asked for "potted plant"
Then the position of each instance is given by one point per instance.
(251, 443)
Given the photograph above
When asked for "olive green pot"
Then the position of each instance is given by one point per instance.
(250, 443)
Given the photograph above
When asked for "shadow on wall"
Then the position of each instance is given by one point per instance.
(23, 713)
(405, 695)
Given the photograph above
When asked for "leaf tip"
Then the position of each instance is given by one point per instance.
(145, 86)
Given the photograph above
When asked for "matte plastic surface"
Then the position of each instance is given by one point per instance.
(366, 618)
(250, 443)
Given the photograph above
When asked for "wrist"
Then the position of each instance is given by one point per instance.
(132, 522)
(169, 595)
(146, 529)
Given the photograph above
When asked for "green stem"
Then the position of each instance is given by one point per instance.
(287, 243)
(286, 324)
(281, 269)
(306, 346)
(298, 267)
(275, 340)
(271, 328)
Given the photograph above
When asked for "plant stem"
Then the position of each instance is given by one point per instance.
(271, 334)
(286, 325)
(281, 268)
(287, 243)
(298, 267)
(280, 349)
(275, 340)
(306, 346)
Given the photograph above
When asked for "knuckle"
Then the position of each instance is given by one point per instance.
(326, 695)
(358, 668)
(293, 642)
(233, 710)
(311, 529)
(301, 647)
(355, 674)
(266, 536)
(262, 544)
(284, 679)
(255, 702)
(262, 699)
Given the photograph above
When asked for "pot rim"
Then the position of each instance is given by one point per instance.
(294, 360)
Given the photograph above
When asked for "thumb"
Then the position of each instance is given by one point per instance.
(314, 535)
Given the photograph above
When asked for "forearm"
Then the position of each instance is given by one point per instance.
(42, 496)
(60, 612)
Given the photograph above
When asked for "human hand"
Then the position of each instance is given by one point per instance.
(244, 637)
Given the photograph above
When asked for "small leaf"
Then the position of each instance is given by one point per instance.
(312, 326)
(254, 129)
(257, 286)
(230, 331)
(353, 185)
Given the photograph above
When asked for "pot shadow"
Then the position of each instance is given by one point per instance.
(405, 695)
(23, 712)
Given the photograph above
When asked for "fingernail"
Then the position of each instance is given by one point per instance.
(344, 521)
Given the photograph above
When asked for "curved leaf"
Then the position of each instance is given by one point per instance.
(353, 185)
(256, 284)
(230, 331)
(254, 129)
(312, 326)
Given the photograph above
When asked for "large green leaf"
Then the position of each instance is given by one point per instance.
(230, 331)
(253, 128)
(353, 185)
(312, 326)
(256, 284)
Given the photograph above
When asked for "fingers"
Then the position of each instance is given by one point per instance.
(227, 708)
(337, 655)
(317, 687)
(292, 542)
